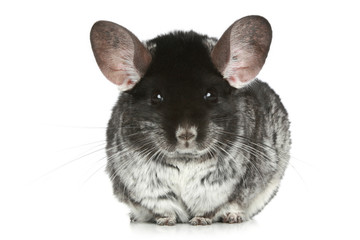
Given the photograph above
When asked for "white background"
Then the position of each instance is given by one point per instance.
(55, 104)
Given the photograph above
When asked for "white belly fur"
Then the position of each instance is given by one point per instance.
(193, 197)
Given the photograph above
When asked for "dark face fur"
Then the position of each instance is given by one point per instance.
(182, 104)
(178, 90)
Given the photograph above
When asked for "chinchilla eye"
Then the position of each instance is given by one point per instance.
(156, 98)
(211, 95)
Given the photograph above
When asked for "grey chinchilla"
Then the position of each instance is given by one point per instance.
(194, 136)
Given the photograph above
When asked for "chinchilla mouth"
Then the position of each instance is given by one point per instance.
(179, 155)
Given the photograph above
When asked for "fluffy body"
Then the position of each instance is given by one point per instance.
(206, 151)
(239, 178)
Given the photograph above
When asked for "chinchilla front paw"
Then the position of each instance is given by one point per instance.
(232, 217)
(200, 221)
(166, 221)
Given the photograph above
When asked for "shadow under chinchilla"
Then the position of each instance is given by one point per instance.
(215, 229)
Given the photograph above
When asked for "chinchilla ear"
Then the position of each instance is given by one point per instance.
(122, 58)
(241, 51)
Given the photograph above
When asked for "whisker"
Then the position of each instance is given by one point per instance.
(103, 166)
(69, 162)
(93, 174)
(263, 156)
(142, 150)
(222, 158)
(258, 144)
(103, 142)
(74, 126)
(255, 152)
(251, 163)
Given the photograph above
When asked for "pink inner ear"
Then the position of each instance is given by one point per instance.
(240, 69)
(238, 80)
(241, 51)
(241, 76)
(122, 74)
(122, 58)
(124, 80)
(127, 84)
(233, 80)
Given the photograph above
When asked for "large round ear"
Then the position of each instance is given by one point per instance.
(241, 51)
(122, 58)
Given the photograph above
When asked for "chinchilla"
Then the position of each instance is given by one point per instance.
(194, 136)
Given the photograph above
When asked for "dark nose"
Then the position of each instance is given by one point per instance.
(186, 136)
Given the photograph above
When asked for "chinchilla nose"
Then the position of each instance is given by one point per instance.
(186, 134)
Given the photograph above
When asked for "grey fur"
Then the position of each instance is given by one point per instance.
(252, 163)
(234, 173)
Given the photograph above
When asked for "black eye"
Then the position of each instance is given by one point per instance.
(211, 95)
(156, 98)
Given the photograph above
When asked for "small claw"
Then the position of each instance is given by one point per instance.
(232, 218)
(166, 221)
(200, 221)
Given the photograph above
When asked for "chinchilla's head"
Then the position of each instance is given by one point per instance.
(178, 89)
